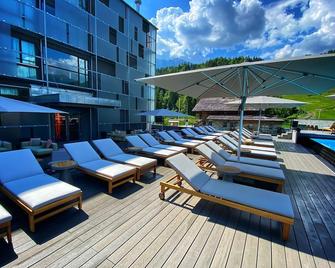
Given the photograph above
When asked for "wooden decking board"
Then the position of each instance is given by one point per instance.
(134, 228)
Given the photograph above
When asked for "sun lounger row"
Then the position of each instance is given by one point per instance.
(249, 141)
(272, 205)
(171, 137)
(190, 133)
(5, 224)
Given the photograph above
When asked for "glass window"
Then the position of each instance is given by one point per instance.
(67, 69)
(132, 60)
(112, 36)
(124, 116)
(50, 6)
(121, 24)
(106, 67)
(136, 34)
(142, 91)
(145, 26)
(140, 51)
(125, 87)
(117, 54)
(25, 58)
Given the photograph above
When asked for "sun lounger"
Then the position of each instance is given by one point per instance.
(213, 129)
(111, 151)
(189, 133)
(260, 136)
(89, 162)
(250, 147)
(177, 137)
(203, 131)
(217, 163)
(245, 160)
(166, 138)
(149, 151)
(5, 224)
(38, 194)
(247, 152)
(246, 141)
(268, 204)
(152, 142)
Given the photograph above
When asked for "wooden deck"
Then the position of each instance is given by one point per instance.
(134, 228)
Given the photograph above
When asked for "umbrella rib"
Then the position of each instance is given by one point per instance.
(198, 83)
(274, 84)
(228, 77)
(290, 82)
(220, 84)
(297, 72)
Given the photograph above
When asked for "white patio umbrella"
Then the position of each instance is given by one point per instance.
(310, 74)
(8, 105)
(265, 102)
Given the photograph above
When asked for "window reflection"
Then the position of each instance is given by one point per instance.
(25, 58)
(67, 69)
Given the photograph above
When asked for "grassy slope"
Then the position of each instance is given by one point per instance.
(315, 102)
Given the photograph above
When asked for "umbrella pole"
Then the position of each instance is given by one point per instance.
(243, 100)
(259, 121)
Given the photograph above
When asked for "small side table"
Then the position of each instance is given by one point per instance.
(229, 172)
(63, 167)
(134, 149)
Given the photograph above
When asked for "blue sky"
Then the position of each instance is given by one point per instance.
(198, 30)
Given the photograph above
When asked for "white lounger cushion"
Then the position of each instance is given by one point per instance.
(205, 137)
(4, 215)
(149, 139)
(220, 163)
(188, 170)
(24, 159)
(157, 151)
(40, 190)
(246, 160)
(136, 141)
(250, 147)
(138, 161)
(255, 142)
(81, 152)
(273, 202)
(166, 137)
(107, 168)
(107, 147)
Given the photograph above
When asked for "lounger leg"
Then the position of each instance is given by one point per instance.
(138, 175)
(80, 203)
(110, 187)
(286, 231)
(31, 223)
(162, 193)
(155, 171)
(9, 233)
(280, 188)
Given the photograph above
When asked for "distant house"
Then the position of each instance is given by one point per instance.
(220, 113)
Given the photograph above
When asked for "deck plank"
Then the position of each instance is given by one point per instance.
(134, 228)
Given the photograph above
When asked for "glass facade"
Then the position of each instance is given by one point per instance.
(94, 46)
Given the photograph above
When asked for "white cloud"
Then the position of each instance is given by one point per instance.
(208, 25)
(284, 29)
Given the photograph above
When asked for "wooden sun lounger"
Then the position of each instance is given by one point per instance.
(5, 224)
(38, 206)
(271, 205)
(111, 151)
(167, 139)
(212, 161)
(90, 163)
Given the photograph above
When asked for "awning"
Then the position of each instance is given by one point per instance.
(15, 106)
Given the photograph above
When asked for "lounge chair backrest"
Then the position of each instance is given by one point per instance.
(204, 130)
(149, 139)
(248, 131)
(187, 132)
(175, 135)
(246, 134)
(81, 152)
(200, 130)
(218, 149)
(192, 131)
(209, 129)
(165, 136)
(107, 147)
(188, 170)
(136, 141)
(212, 128)
(231, 140)
(18, 164)
(211, 155)
(224, 140)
